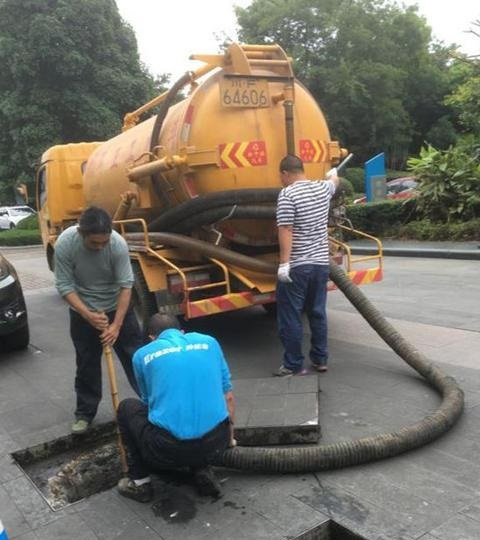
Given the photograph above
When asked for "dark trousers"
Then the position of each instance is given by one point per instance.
(88, 349)
(307, 292)
(150, 448)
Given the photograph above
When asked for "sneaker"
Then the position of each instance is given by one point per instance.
(80, 426)
(127, 488)
(282, 371)
(207, 484)
(320, 367)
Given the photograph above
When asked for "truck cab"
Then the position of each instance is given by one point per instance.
(59, 190)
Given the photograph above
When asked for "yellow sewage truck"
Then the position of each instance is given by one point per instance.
(204, 171)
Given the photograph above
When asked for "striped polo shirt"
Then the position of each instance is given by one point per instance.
(304, 205)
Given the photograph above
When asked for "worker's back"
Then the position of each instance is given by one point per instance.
(183, 378)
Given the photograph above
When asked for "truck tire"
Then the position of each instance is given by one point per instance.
(17, 340)
(143, 301)
(271, 308)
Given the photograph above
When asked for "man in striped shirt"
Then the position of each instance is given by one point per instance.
(302, 219)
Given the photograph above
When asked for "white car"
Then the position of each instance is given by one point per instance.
(10, 216)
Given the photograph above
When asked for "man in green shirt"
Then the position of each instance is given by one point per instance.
(94, 276)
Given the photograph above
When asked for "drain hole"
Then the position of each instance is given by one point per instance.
(329, 530)
(73, 467)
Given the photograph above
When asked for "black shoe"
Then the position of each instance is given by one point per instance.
(127, 488)
(207, 484)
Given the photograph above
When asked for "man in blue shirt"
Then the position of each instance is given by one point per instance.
(185, 416)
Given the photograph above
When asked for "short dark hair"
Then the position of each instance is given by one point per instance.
(95, 220)
(160, 322)
(291, 163)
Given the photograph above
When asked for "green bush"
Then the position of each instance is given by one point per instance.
(449, 183)
(20, 237)
(426, 230)
(356, 176)
(377, 218)
(29, 223)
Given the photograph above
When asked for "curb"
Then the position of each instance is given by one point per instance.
(434, 253)
(29, 246)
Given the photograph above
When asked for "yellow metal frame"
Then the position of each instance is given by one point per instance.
(348, 251)
(181, 271)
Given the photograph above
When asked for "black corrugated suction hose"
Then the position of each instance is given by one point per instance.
(336, 455)
(221, 213)
(203, 203)
(205, 248)
(366, 449)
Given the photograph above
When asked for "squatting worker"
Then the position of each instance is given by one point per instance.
(302, 219)
(185, 416)
(93, 274)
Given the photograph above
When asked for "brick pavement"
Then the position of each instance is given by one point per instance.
(430, 494)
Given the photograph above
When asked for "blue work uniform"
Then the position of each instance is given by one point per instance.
(183, 378)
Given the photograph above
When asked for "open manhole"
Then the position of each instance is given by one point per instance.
(329, 530)
(74, 467)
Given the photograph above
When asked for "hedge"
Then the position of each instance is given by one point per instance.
(425, 230)
(20, 237)
(29, 223)
(397, 219)
(378, 218)
(356, 176)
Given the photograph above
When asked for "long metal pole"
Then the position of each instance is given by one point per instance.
(107, 351)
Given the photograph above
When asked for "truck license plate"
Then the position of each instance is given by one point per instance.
(244, 92)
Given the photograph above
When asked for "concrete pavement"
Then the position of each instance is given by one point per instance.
(429, 494)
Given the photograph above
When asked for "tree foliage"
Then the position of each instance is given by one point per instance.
(370, 64)
(70, 71)
(465, 97)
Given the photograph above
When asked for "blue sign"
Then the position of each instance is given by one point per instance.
(375, 178)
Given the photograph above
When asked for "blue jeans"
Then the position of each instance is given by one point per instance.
(307, 292)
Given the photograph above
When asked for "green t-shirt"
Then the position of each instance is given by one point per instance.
(96, 276)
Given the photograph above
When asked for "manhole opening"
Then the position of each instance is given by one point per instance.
(330, 530)
(73, 467)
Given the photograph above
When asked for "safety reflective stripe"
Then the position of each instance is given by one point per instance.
(236, 155)
(361, 277)
(228, 302)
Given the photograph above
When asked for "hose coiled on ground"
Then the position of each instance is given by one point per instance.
(366, 449)
(363, 450)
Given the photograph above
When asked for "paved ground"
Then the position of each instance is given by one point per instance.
(432, 493)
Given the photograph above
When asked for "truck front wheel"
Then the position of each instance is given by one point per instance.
(143, 301)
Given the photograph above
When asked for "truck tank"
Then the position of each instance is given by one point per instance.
(228, 135)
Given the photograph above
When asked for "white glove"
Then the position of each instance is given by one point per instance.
(331, 173)
(283, 273)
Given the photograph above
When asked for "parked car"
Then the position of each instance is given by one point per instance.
(399, 188)
(10, 216)
(14, 332)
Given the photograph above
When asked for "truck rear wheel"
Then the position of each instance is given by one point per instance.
(271, 308)
(143, 301)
